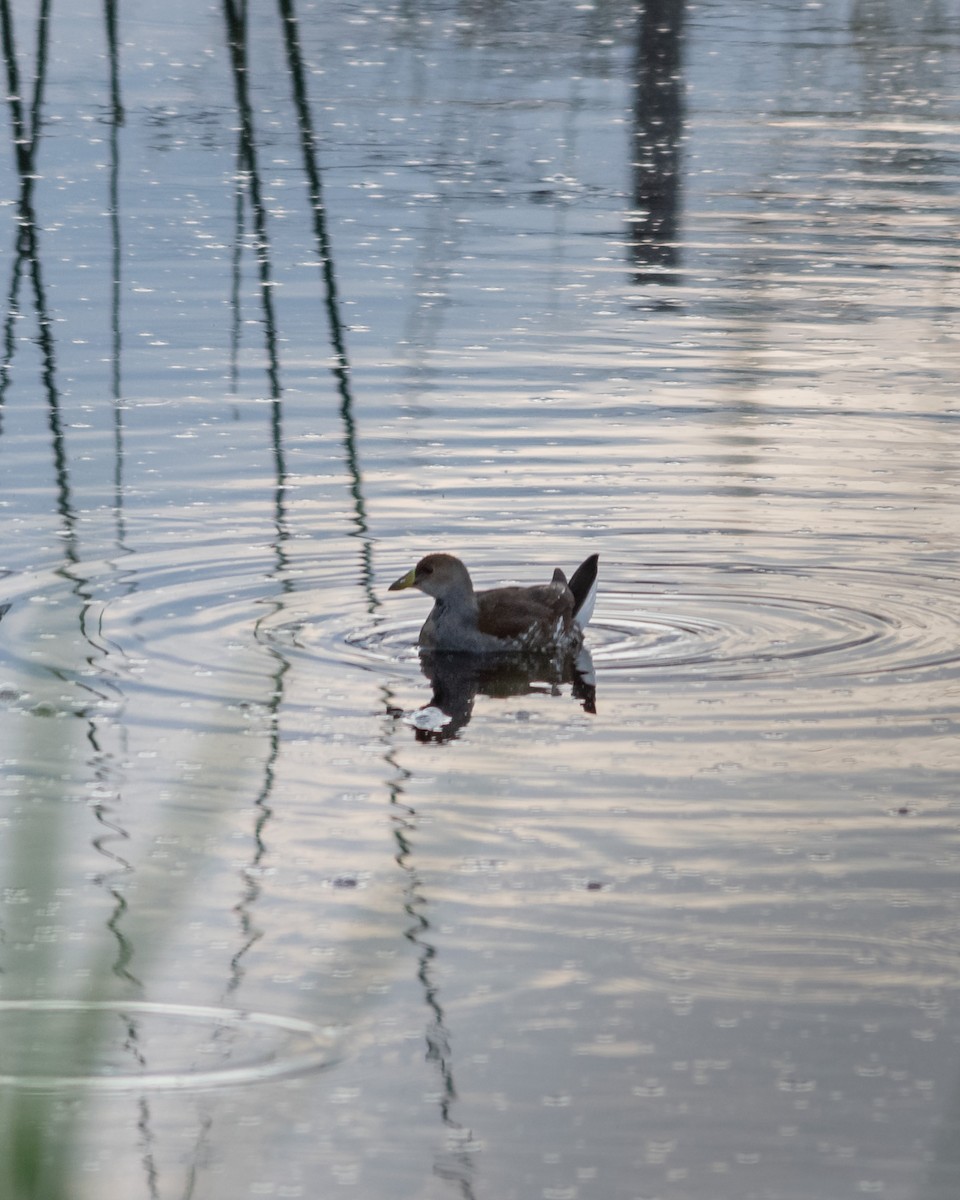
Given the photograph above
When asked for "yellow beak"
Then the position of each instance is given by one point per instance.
(405, 581)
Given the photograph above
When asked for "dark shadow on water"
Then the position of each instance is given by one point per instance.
(458, 679)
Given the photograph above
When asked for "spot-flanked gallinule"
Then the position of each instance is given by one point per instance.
(544, 618)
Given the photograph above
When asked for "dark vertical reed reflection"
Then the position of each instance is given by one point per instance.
(25, 133)
(146, 1139)
(23, 154)
(110, 839)
(341, 364)
(113, 54)
(248, 170)
(116, 118)
(250, 932)
(26, 136)
(26, 130)
(657, 137)
(457, 1166)
(107, 845)
(249, 180)
(235, 280)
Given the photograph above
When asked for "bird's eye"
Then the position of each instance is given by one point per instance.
(426, 570)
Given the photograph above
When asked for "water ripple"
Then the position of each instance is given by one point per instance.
(204, 626)
(140, 1046)
(721, 622)
(717, 622)
(752, 963)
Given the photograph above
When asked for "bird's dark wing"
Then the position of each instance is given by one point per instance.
(513, 612)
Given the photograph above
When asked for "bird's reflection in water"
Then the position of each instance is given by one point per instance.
(458, 678)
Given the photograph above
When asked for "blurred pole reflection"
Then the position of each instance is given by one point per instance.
(657, 136)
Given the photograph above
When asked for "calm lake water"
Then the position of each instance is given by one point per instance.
(294, 295)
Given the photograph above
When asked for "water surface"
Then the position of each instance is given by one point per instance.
(294, 296)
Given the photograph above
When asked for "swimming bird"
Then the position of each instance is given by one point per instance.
(546, 617)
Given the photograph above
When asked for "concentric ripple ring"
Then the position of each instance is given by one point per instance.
(720, 623)
(121, 1046)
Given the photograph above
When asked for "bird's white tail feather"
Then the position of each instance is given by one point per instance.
(585, 612)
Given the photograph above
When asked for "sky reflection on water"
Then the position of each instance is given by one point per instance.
(297, 294)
